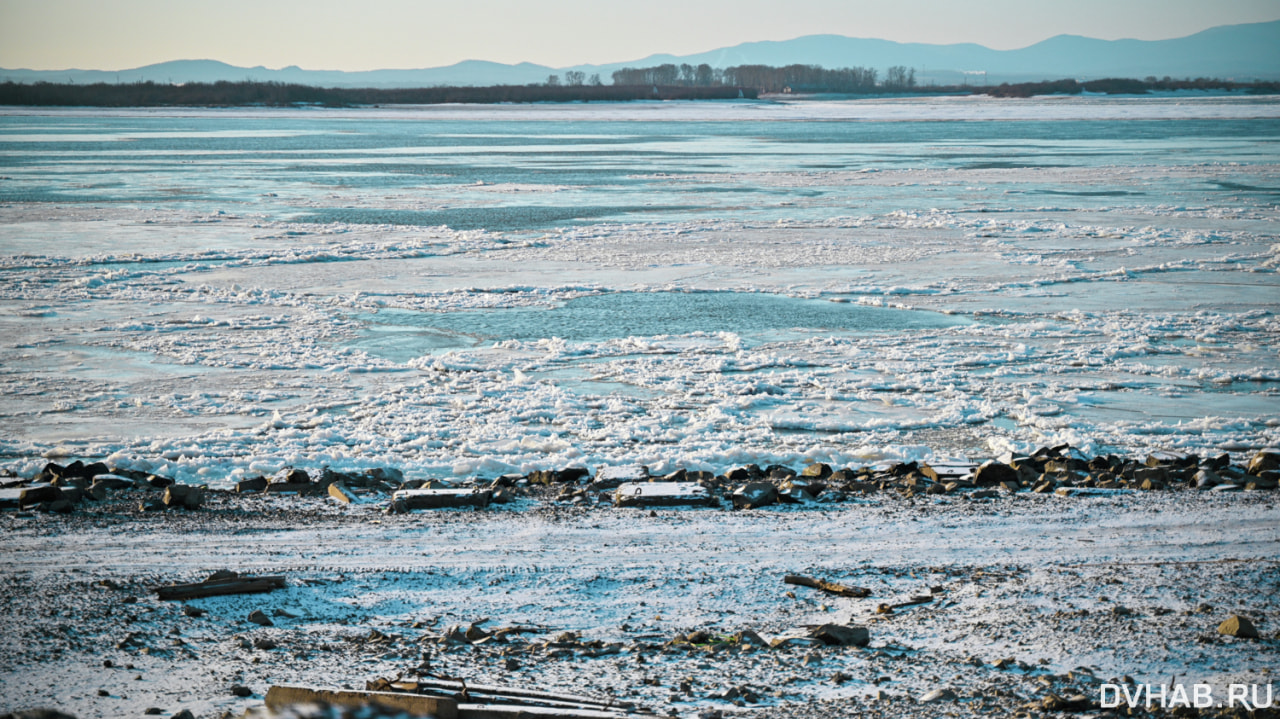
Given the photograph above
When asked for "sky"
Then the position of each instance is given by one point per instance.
(377, 34)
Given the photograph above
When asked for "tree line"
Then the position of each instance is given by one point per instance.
(1125, 86)
(766, 78)
(274, 94)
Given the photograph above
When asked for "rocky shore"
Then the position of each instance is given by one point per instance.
(1010, 588)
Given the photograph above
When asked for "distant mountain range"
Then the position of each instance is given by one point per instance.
(1239, 52)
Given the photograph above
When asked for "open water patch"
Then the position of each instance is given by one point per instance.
(494, 218)
(401, 335)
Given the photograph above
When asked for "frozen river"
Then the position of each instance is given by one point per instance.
(477, 290)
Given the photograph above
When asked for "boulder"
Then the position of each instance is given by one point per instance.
(1238, 626)
(662, 494)
(754, 494)
(840, 635)
(253, 484)
(993, 473)
(817, 470)
(1266, 460)
(941, 694)
(441, 498)
(183, 495)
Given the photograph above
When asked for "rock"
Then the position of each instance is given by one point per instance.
(241, 690)
(153, 711)
(254, 484)
(940, 694)
(257, 616)
(817, 470)
(993, 473)
(193, 612)
(662, 494)
(609, 477)
(38, 714)
(338, 490)
(441, 498)
(265, 644)
(754, 494)
(1264, 480)
(1264, 461)
(1206, 479)
(1155, 475)
(548, 476)
(1238, 626)
(840, 635)
(183, 495)
(1073, 703)
(184, 714)
(112, 482)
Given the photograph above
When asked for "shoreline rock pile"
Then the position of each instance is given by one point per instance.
(1059, 470)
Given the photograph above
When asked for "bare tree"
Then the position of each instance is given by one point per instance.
(595, 80)
(553, 80)
(574, 77)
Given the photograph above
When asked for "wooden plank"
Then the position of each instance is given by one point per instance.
(830, 587)
(511, 711)
(217, 587)
(489, 694)
(281, 697)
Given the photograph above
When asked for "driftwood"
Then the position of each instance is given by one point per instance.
(504, 696)
(218, 584)
(282, 697)
(830, 587)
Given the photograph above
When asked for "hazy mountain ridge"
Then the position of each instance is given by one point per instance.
(1241, 52)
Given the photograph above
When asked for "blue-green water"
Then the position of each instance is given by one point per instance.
(401, 335)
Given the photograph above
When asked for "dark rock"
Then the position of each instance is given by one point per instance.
(113, 482)
(153, 711)
(993, 473)
(195, 612)
(184, 714)
(258, 617)
(744, 474)
(183, 495)
(778, 472)
(241, 690)
(841, 635)
(38, 714)
(289, 475)
(253, 484)
(1205, 479)
(57, 506)
(754, 494)
(37, 494)
(159, 482)
(265, 644)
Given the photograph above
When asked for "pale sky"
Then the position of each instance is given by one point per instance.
(375, 34)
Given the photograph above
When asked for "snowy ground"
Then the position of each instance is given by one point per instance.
(1094, 587)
